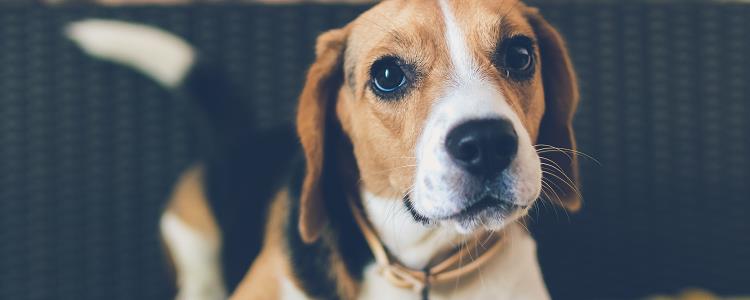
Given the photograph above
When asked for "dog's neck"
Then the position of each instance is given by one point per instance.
(515, 267)
(415, 245)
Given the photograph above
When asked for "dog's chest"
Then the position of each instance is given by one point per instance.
(511, 274)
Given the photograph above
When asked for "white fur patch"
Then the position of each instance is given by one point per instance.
(196, 260)
(157, 53)
(513, 273)
(289, 291)
(412, 243)
(467, 96)
(464, 66)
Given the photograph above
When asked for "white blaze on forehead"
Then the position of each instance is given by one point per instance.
(441, 188)
(463, 63)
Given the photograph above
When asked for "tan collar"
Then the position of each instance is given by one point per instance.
(446, 270)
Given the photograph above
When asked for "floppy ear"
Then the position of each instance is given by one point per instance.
(561, 101)
(323, 81)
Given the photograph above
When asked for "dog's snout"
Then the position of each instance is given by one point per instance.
(484, 148)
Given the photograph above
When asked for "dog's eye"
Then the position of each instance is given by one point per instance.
(517, 57)
(387, 77)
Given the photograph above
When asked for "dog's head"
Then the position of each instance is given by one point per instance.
(445, 105)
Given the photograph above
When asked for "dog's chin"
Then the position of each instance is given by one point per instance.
(488, 213)
(483, 216)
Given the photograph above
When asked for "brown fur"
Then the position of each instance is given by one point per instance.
(188, 202)
(311, 123)
(561, 94)
(384, 134)
(262, 280)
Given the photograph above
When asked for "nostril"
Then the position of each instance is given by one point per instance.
(467, 150)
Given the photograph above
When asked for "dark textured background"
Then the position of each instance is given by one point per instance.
(88, 150)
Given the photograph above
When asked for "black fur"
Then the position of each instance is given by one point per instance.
(339, 178)
(243, 166)
(310, 263)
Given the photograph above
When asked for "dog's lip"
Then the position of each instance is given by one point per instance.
(485, 202)
(416, 215)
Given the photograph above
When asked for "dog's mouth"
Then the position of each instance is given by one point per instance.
(413, 212)
(485, 203)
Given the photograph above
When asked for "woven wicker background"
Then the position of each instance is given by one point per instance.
(88, 150)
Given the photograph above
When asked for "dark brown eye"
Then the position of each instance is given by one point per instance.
(387, 78)
(516, 58)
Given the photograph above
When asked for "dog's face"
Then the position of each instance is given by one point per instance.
(443, 103)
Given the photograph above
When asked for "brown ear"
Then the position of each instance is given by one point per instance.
(316, 101)
(556, 135)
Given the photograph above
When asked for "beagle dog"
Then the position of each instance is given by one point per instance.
(428, 127)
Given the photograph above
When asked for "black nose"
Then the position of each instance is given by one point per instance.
(484, 148)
